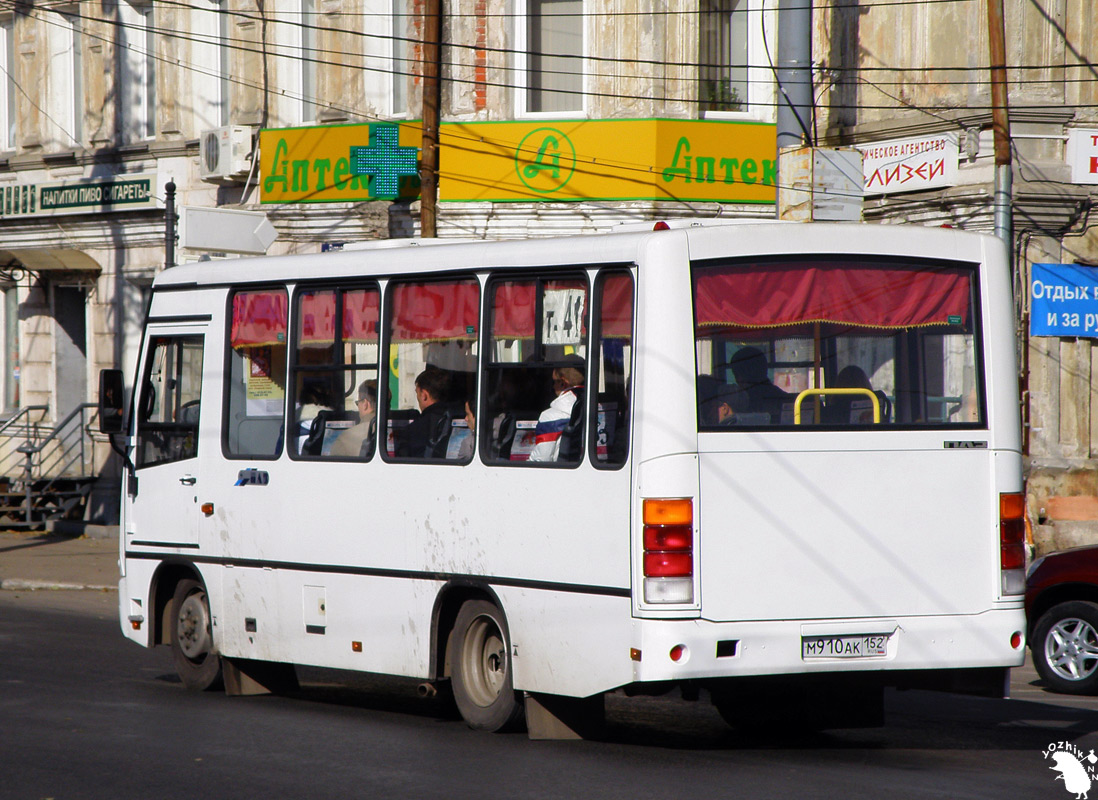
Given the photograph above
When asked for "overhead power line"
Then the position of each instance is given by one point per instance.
(361, 61)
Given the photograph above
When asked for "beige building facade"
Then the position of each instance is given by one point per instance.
(117, 99)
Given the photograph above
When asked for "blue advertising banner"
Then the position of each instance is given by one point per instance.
(1063, 300)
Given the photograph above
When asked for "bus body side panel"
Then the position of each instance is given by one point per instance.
(339, 553)
(355, 622)
(567, 643)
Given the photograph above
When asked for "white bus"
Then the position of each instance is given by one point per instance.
(775, 463)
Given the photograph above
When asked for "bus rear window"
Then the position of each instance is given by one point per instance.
(836, 343)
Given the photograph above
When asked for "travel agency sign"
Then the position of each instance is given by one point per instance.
(910, 165)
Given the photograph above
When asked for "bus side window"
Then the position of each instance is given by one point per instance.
(335, 373)
(167, 421)
(256, 397)
(612, 371)
(536, 372)
(432, 359)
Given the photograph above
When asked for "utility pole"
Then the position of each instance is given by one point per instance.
(794, 73)
(432, 95)
(794, 116)
(1000, 121)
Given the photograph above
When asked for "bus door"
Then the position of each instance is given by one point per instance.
(162, 507)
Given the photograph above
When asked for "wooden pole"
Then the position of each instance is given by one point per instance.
(432, 94)
(1000, 120)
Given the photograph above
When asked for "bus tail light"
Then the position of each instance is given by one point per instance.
(1012, 542)
(668, 550)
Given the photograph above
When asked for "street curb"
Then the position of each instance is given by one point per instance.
(20, 585)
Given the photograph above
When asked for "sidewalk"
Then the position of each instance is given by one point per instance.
(39, 560)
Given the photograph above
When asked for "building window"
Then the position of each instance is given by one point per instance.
(7, 83)
(309, 58)
(210, 55)
(550, 57)
(137, 87)
(722, 55)
(296, 57)
(66, 71)
(401, 66)
(733, 62)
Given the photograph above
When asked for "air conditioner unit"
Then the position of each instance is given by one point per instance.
(224, 154)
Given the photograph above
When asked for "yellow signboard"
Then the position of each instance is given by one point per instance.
(558, 160)
(314, 165)
(569, 160)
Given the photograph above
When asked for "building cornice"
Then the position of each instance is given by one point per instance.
(120, 156)
(914, 124)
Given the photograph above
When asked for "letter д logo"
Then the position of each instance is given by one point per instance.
(545, 160)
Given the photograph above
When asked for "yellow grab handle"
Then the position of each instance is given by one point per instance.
(825, 392)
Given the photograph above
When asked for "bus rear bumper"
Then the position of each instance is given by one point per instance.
(678, 650)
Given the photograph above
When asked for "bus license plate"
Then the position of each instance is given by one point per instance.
(861, 646)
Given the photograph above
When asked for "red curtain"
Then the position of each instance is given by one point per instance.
(259, 318)
(317, 317)
(513, 311)
(424, 312)
(766, 296)
(617, 307)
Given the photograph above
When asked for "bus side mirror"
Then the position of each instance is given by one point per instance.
(110, 401)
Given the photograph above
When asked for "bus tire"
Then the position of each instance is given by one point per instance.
(196, 660)
(481, 670)
(1065, 647)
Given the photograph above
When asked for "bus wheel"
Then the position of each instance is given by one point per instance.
(1065, 647)
(196, 660)
(482, 669)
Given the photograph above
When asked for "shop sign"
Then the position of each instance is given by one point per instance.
(119, 193)
(339, 163)
(1064, 300)
(1082, 155)
(608, 160)
(910, 165)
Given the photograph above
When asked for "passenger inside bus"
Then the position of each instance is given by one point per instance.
(559, 432)
(855, 409)
(750, 367)
(429, 433)
(315, 398)
(720, 403)
(465, 449)
(358, 440)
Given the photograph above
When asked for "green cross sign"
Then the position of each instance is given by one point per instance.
(385, 161)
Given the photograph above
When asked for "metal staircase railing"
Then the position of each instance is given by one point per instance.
(49, 475)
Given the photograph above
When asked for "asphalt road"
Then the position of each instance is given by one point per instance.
(87, 714)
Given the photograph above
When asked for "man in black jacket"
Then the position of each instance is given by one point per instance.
(429, 433)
